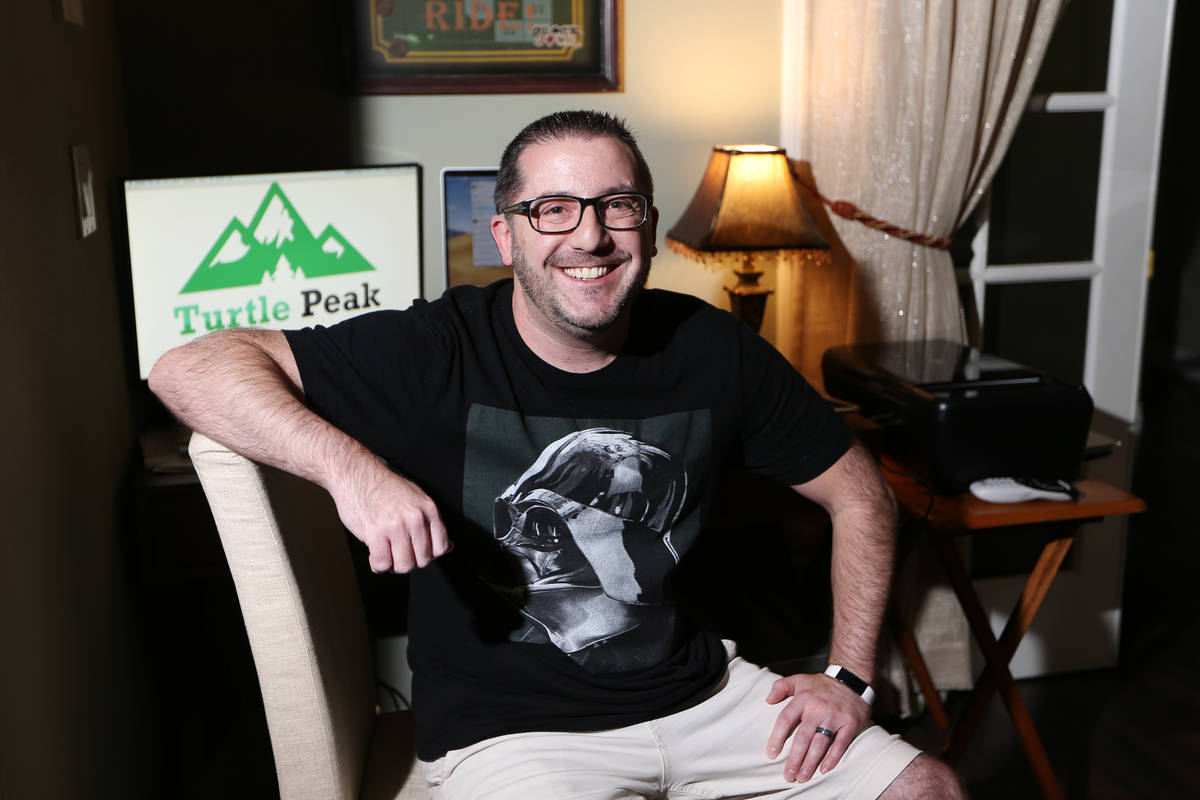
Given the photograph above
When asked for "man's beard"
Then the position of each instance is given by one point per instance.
(538, 288)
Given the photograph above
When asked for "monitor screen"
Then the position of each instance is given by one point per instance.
(285, 250)
(469, 253)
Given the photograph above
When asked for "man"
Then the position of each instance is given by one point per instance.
(540, 453)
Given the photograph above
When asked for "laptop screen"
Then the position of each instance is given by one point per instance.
(469, 253)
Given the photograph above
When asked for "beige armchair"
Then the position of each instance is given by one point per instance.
(307, 632)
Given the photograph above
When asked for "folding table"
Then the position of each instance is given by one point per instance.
(946, 516)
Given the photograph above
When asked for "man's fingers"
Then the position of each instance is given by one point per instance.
(417, 530)
(780, 690)
(836, 750)
(428, 534)
(379, 555)
(404, 557)
(421, 524)
(441, 538)
(785, 723)
(399, 523)
(809, 749)
(821, 725)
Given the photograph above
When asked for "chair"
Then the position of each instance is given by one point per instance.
(307, 631)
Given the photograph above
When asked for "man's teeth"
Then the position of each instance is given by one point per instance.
(587, 273)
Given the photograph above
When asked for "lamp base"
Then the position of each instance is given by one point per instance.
(748, 300)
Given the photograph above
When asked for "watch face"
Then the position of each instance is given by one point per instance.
(850, 679)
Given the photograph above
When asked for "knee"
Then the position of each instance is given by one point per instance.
(925, 778)
(944, 780)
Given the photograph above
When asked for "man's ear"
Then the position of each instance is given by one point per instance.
(502, 236)
(652, 226)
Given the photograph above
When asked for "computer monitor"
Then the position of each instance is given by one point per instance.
(284, 250)
(469, 252)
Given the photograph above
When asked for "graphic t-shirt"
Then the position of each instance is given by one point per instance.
(570, 498)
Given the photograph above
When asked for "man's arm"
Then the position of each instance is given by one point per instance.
(242, 388)
(863, 512)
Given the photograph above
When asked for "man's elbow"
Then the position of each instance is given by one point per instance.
(174, 369)
(889, 508)
(873, 494)
(167, 375)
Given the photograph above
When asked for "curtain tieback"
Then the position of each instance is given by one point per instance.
(850, 211)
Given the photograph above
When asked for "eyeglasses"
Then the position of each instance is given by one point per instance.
(562, 213)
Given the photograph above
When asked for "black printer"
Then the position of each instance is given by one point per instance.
(953, 414)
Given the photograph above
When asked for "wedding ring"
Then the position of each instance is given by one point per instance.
(826, 732)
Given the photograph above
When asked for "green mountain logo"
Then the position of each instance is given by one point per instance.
(275, 244)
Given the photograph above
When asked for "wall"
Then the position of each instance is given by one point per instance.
(71, 708)
(696, 73)
(208, 97)
(1172, 327)
(226, 87)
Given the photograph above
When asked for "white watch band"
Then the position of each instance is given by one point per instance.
(857, 684)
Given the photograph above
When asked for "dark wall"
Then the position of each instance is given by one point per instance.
(152, 89)
(72, 708)
(228, 87)
(1160, 598)
(1172, 326)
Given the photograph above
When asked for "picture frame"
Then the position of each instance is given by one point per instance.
(483, 46)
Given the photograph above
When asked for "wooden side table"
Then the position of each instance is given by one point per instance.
(944, 517)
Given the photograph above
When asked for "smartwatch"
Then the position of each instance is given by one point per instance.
(845, 676)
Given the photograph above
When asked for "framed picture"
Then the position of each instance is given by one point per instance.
(483, 46)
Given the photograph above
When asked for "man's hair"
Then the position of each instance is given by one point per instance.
(564, 125)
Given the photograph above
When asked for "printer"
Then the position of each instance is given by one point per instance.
(952, 414)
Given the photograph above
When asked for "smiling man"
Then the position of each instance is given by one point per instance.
(585, 251)
(565, 430)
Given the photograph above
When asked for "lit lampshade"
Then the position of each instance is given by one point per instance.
(747, 210)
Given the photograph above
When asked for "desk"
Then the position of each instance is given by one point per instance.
(944, 517)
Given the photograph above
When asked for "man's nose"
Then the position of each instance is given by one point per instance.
(590, 234)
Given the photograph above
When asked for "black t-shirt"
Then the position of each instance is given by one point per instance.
(569, 497)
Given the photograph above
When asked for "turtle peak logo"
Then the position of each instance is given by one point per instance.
(274, 251)
(276, 244)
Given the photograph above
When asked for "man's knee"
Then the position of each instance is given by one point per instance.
(925, 778)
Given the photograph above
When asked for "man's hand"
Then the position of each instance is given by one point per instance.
(818, 701)
(393, 517)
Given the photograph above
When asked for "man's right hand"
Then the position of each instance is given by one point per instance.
(261, 414)
(393, 517)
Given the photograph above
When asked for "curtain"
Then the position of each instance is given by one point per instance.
(905, 108)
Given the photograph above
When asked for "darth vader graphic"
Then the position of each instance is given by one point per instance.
(588, 527)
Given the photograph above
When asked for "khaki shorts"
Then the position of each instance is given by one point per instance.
(716, 749)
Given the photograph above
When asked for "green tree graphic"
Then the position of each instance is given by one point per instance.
(275, 243)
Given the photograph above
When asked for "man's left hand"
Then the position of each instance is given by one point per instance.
(818, 701)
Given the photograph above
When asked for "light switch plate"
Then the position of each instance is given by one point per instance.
(85, 196)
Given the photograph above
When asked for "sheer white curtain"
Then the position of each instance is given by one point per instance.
(905, 108)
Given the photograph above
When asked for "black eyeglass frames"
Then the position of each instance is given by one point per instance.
(562, 213)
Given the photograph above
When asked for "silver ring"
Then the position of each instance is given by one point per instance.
(826, 732)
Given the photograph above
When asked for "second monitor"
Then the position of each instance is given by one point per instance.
(468, 252)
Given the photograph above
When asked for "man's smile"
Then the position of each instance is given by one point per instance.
(588, 273)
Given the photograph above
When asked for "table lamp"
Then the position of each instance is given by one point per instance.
(747, 210)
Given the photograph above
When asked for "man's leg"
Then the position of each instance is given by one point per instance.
(718, 749)
(606, 765)
(925, 778)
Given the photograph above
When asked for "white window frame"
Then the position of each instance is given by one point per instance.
(1133, 105)
(1078, 627)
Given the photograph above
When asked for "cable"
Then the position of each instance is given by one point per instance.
(396, 696)
(920, 482)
